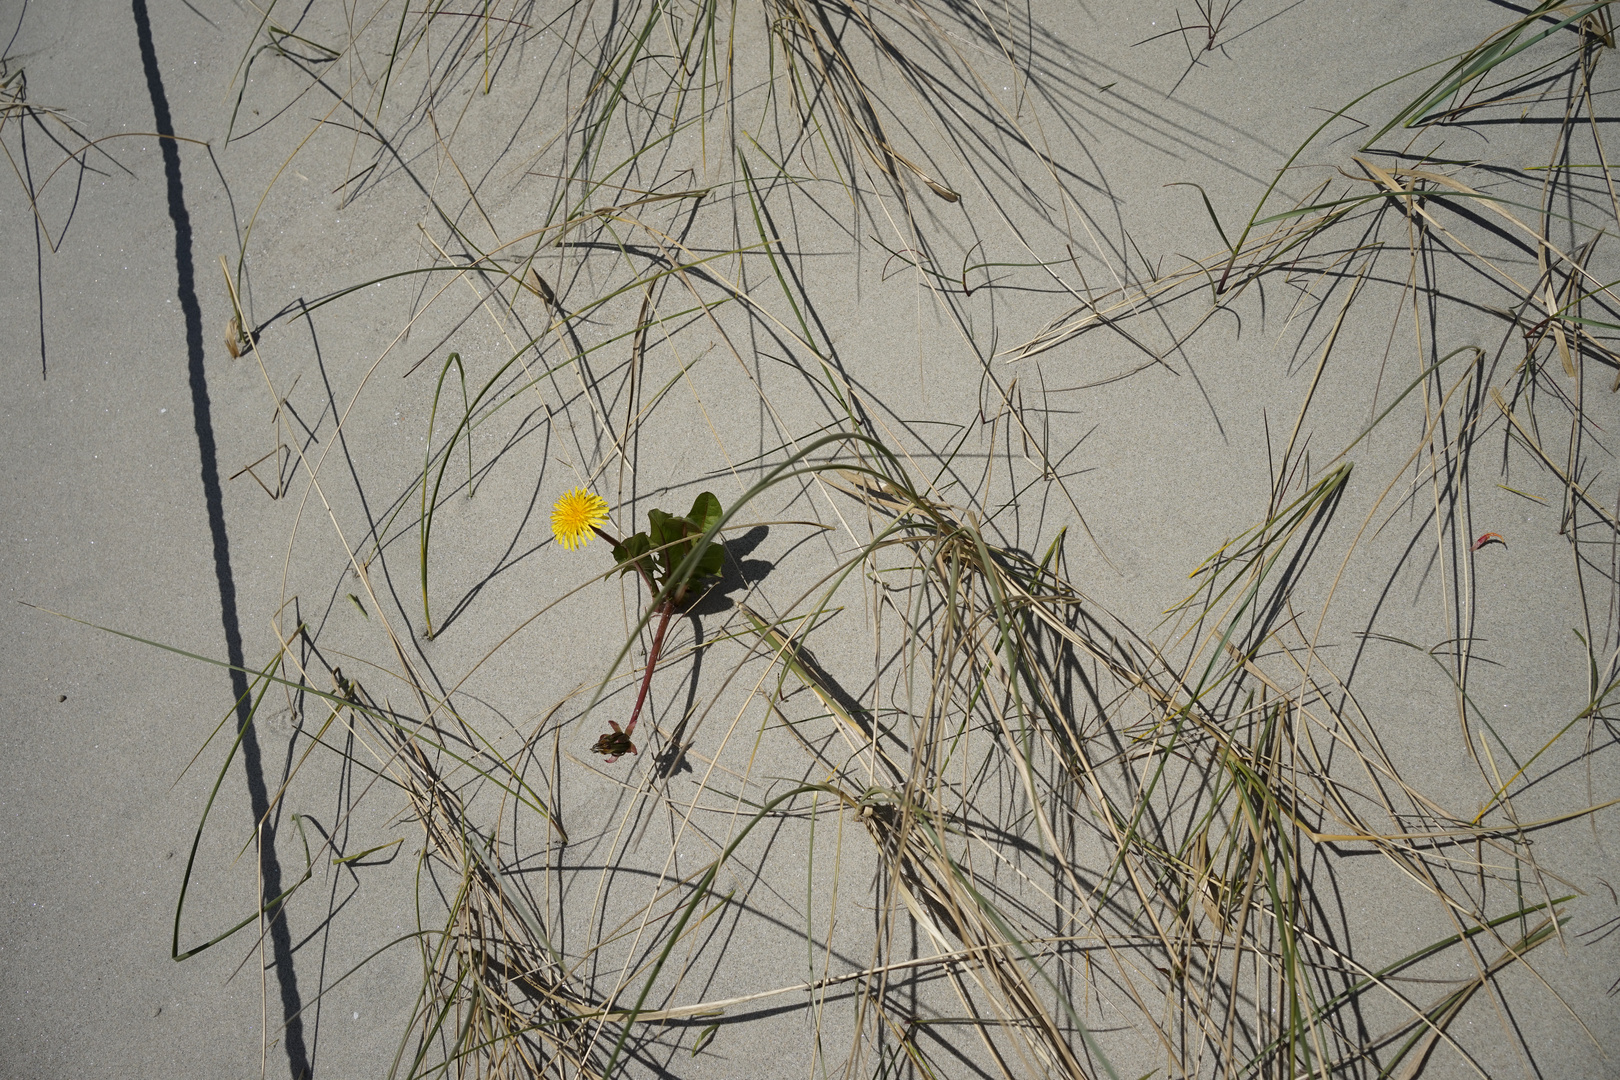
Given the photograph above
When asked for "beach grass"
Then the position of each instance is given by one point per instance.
(1001, 830)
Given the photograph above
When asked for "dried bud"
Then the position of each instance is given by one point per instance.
(614, 743)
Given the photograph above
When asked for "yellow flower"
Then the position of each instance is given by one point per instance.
(575, 515)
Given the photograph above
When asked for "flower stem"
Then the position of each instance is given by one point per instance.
(652, 661)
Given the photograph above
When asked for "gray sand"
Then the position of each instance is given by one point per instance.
(125, 504)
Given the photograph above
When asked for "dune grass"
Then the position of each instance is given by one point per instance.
(1032, 839)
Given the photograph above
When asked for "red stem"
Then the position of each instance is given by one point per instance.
(658, 638)
(652, 661)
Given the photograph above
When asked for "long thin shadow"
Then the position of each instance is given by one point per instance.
(280, 938)
(39, 249)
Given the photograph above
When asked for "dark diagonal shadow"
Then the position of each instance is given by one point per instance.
(280, 939)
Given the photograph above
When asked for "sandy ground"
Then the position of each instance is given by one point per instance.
(126, 429)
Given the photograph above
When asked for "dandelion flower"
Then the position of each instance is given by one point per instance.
(575, 515)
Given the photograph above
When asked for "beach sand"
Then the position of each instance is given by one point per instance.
(156, 486)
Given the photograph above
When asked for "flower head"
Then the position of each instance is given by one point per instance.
(574, 517)
(615, 744)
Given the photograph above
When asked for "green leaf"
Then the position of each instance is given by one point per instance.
(668, 533)
(631, 551)
(705, 512)
(713, 562)
(664, 528)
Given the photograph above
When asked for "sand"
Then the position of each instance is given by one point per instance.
(152, 486)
